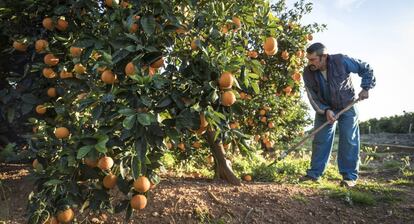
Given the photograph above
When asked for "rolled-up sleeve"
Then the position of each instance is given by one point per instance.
(361, 68)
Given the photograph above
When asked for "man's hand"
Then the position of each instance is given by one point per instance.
(330, 116)
(363, 94)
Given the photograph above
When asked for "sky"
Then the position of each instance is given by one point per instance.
(379, 32)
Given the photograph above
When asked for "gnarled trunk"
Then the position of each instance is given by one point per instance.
(222, 170)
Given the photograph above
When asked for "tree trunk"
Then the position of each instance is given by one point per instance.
(222, 170)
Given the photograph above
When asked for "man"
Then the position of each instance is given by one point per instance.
(329, 87)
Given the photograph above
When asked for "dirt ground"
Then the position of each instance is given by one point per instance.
(192, 200)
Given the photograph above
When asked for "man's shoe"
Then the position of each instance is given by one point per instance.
(308, 178)
(348, 183)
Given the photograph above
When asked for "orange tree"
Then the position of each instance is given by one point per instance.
(131, 79)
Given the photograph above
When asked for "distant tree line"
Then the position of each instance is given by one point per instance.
(393, 124)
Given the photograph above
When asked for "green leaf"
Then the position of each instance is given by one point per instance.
(255, 87)
(101, 145)
(53, 182)
(126, 111)
(129, 122)
(148, 24)
(146, 119)
(82, 151)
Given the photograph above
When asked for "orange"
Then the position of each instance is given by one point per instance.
(285, 55)
(109, 181)
(142, 184)
(309, 37)
(158, 64)
(253, 54)
(40, 109)
(169, 145)
(228, 98)
(19, 46)
(62, 25)
(130, 68)
(196, 144)
(66, 216)
(257, 138)
(181, 146)
(75, 51)
(49, 73)
(51, 60)
(41, 45)
(105, 163)
(270, 125)
(237, 22)
(226, 80)
(296, 76)
(79, 69)
(234, 125)
(300, 54)
(247, 177)
(64, 74)
(47, 23)
(270, 44)
(194, 44)
(271, 53)
(287, 89)
(108, 3)
(138, 202)
(62, 132)
(108, 77)
(52, 220)
(210, 159)
(268, 145)
(203, 121)
(133, 28)
(224, 29)
(262, 112)
(51, 92)
(263, 119)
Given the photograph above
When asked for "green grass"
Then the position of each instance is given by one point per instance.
(403, 182)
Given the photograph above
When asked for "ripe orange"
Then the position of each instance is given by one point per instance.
(268, 145)
(108, 77)
(64, 74)
(66, 216)
(194, 45)
(203, 121)
(285, 55)
(142, 184)
(262, 112)
(247, 178)
(105, 163)
(270, 125)
(51, 60)
(52, 220)
(79, 69)
(237, 22)
(108, 3)
(210, 159)
(270, 44)
(243, 95)
(41, 45)
(109, 181)
(224, 29)
(91, 162)
(234, 125)
(263, 119)
(271, 53)
(19, 46)
(309, 37)
(158, 64)
(296, 76)
(226, 80)
(196, 144)
(130, 68)
(49, 73)
(228, 98)
(40, 109)
(300, 54)
(133, 28)
(47, 23)
(181, 146)
(169, 145)
(62, 132)
(75, 51)
(51, 92)
(287, 89)
(62, 25)
(257, 138)
(138, 202)
(253, 54)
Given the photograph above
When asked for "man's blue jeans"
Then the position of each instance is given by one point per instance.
(348, 149)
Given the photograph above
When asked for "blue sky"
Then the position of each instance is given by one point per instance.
(379, 32)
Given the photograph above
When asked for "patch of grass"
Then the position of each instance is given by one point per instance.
(300, 198)
(402, 182)
(354, 197)
(391, 165)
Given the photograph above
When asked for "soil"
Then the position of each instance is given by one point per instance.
(195, 200)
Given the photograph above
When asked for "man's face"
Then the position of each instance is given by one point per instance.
(316, 62)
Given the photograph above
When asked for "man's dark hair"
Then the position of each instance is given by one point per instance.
(319, 48)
